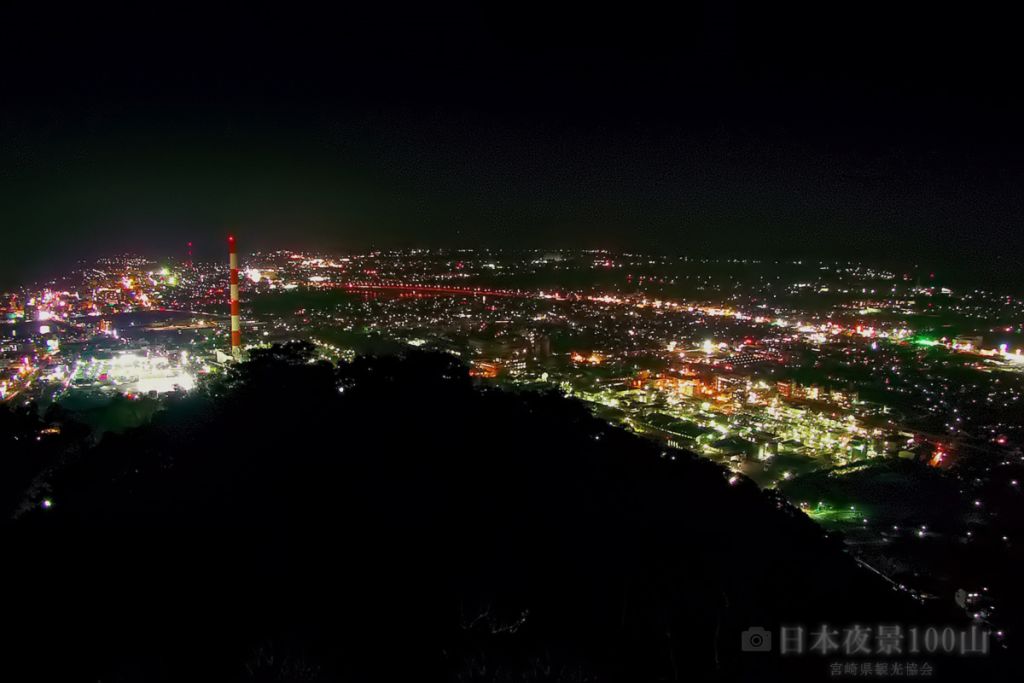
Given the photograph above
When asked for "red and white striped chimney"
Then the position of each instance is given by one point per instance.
(236, 325)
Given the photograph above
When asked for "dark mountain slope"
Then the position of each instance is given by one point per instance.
(387, 520)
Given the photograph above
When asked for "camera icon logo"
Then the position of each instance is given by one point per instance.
(756, 639)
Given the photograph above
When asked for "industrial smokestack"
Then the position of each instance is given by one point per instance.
(236, 326)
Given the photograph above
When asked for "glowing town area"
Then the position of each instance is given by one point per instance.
(885, 404)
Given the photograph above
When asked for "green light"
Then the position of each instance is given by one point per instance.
(924, 341)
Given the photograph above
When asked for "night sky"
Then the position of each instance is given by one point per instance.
(817, 130)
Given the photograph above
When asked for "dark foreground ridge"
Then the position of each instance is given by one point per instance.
(387, 520)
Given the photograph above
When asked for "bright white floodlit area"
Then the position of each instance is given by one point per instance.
(134, 372)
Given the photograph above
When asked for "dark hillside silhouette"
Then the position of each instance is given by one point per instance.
(388, 520)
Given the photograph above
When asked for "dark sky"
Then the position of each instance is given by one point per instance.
(818, 129)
